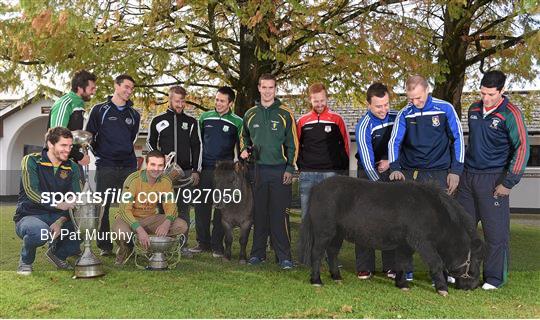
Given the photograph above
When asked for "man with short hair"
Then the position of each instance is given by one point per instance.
(269, 129)
(496, 157)
(114, 125)
(174, 130)
(38, 219)
(323, 144)
(139, 214)
(68, 111)
(372, 135)
(427, 140)
(220, 133)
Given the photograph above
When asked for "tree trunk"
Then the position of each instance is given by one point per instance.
(453, 55)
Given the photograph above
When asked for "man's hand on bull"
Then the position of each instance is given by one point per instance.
(195, 178)
(144, 240)
(163, 229)
(287, 178)
(501, 191)
(85, 160)
(244, 155)
(397, 175)
(452, 181)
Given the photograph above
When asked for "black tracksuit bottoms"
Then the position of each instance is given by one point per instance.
(271, 214)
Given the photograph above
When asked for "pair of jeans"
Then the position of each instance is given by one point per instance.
(307, 180)
(34, 231)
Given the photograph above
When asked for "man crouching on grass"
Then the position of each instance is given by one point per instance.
(148, 188)
(40, 218)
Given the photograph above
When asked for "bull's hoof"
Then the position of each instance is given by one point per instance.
(242, 261)
(442, 293)
(405, 289)
(338, 281)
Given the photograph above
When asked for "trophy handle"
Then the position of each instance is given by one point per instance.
(72, 216)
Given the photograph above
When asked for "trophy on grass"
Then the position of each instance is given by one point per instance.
(162, 253)
(86, 217)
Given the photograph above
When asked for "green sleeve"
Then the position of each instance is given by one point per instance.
(291, 143)
(60, 112)
(245, 139)
(30, 179)
(518, 136)
(76, 178)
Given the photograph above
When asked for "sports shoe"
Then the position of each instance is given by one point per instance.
(364, 275)
(199, 248)
(409, 276)
(255, 261)
(122, 255)
(105, 252)
(24, 269)
(286, 264)
(487, 286)
(217, 254)
(390, 274)
(60, 264)
(450, 279)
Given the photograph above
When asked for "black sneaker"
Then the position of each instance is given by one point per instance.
(60, 264)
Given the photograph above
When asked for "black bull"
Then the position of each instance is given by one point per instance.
(404, 216)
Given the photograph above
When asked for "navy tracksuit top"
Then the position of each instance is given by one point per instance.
(430, 138)
(115, 132)
(372, 135)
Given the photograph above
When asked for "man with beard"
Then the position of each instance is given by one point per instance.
(114, 125)
(68, 111)
(37, 218)
(140, 215)
(176, 131)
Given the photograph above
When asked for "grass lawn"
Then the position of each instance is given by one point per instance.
(205, 287)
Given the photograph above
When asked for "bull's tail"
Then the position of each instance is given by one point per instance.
(306, 240)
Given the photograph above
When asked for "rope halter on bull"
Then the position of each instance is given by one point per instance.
(175, 172)
(467, 265)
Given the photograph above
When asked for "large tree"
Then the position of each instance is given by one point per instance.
(204, 44)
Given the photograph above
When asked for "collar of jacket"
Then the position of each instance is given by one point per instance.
(274, 105)
(144, 176)
(500, 108)
(226, 113)
(129, 103)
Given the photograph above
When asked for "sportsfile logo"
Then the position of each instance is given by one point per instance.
(113, 195)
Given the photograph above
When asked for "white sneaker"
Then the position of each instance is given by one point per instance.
(450, 279)
(487, 286)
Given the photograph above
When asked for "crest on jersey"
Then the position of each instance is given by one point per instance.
(327, 129)
(184, 125)
(63, 174)
(225, 128)
(494, 123)
(129, 121)
(274, 124)
(435, 121)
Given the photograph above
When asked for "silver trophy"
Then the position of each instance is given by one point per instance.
(175, 172)
(86, 217)
(162, 253)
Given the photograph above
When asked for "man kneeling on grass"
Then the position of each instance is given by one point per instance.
(40, 218)
(147, 188)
